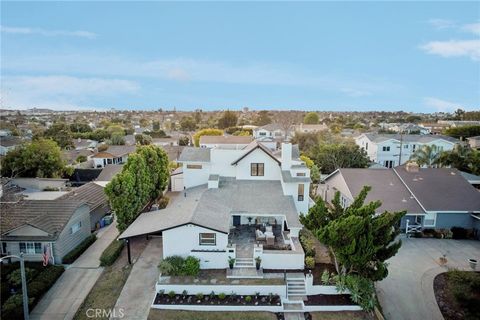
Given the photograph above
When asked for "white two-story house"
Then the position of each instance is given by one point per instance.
(241, 204)
(391, 150)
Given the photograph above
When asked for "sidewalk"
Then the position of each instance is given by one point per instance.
(67, 294)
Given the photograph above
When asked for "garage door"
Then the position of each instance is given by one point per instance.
(177, 182)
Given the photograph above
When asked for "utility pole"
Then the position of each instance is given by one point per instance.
(401, 147)
(24, 283)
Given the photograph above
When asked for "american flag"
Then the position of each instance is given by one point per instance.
(46, 255)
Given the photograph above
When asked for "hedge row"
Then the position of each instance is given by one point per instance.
(111, 253)
(13, 307)
(75, 253)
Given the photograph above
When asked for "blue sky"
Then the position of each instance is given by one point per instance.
(414, 56)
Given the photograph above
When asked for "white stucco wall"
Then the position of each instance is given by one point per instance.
(182, 240)
(195, 177)
(271, 167)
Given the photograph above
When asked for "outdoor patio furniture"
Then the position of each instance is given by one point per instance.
(259, 235)
(270, 240)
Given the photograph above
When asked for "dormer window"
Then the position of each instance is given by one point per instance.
(257, 169)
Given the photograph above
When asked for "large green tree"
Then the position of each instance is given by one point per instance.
(329, 157)
(360, 241)
(462, 158)
(188, 124)
(143, 178)
(40, 158)
(60, 133)
(263, 118)
(311, 118)
(228, 119)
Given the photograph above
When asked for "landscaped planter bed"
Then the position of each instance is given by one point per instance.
(214, 299)
(329, 300)
(316, 272)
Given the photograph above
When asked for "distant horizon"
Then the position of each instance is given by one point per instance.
(347, 56)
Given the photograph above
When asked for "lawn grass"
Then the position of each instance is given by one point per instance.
(156, 314)
(106, 290)
(350, 315)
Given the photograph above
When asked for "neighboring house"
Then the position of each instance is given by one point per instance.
(81, 144)
(238, 203)
(70, 156)
(113, 155)
(437, 198)
(173, 152)
(407, 128)
(32, 226)
(232, 142)
(391, 150)
(435, 128)
(165, 141)
(474, 142)
(474, 180)
(309, 128)
(94, 196)
(272, 130)
(9, 143)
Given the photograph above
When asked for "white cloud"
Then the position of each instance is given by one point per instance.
(59, 92)
(440, 24)
(47, 33)
(454, 48)
(473, 28)
(441, 105)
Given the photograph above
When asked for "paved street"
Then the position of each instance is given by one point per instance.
(67, 294)
(139, 290)
(407, 292)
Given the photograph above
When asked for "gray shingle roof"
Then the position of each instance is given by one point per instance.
(419, 138)
(109, 171)
(116, 151)
(50, 216)
(287, 177)
(90, 193)
(212, 208)
(386, 187)
(226, 139)
(441, 189)
(195, 154)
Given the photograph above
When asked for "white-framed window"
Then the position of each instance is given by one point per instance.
(262, 133)
(386, 148)
(194, 166)
(430, 219)
(405, 146)
(301, 174)
(366, 146)
(207, 239)
(388, 163)
(30, 247)
(257, 169)
(76, 227)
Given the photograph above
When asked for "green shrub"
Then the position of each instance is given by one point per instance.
(199, 296)
(111, 253)
(310, 262)
(325, 277)
(81, 158)
(13, 307)
(248, 299)
(75, 253)
(15, 278)
(221, 296)
(163, 202)
(178, 266)
(308, 245)
(191, 266)
(165, 267)
(171, 294)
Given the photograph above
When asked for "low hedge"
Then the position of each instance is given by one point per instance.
(111, 253)
(13, 306)
(75, 253)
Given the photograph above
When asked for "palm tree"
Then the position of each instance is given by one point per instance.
(427, 156)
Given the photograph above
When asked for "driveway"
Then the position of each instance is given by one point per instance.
(67, 294)
(139, 290)
(407, 292)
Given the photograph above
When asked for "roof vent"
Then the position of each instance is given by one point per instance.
(404, 200)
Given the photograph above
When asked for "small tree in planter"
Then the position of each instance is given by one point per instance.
(258, 261)
(231, 262)
(310, 262)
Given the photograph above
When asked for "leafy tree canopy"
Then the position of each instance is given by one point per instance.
(40, 158)
(311, 118)
(228, 119)
(463, 132)
(206, 132)
(329, 157)
(263, 118)
(188, 124)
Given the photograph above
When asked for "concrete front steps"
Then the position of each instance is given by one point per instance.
(296, 289)
(244, 263)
